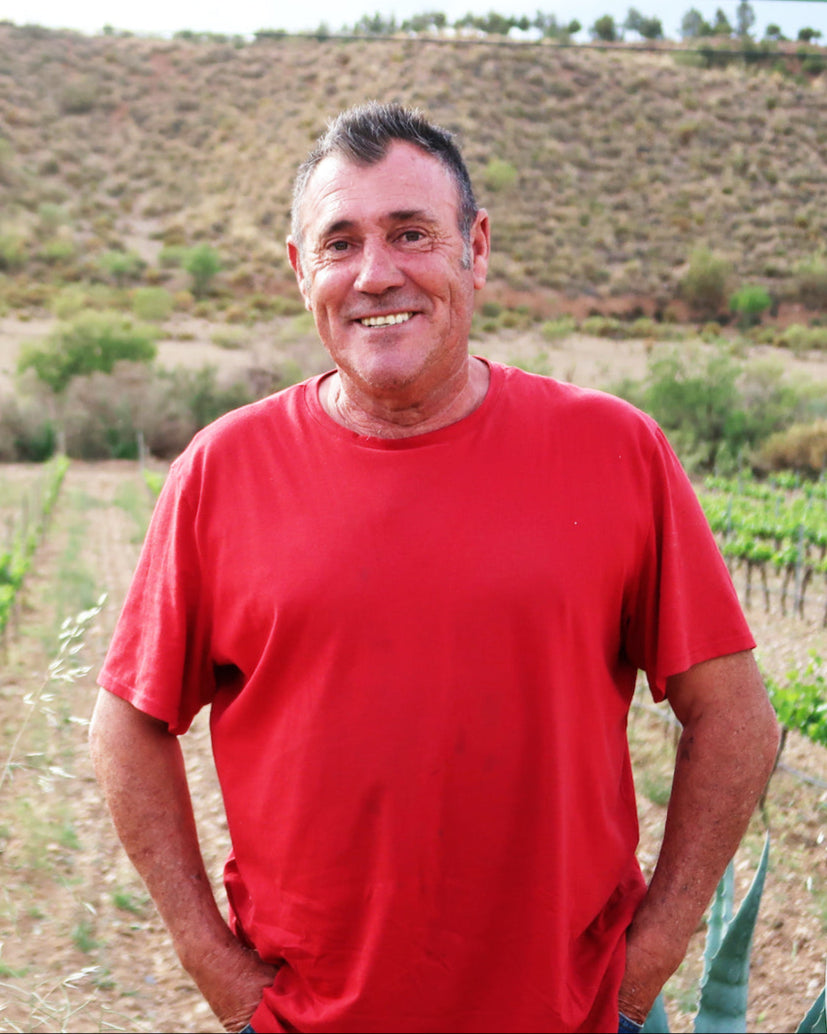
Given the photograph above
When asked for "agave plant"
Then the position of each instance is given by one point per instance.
(724, 984)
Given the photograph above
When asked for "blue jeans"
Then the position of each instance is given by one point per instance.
(624, 1025)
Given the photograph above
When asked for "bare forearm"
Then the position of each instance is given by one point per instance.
(141, 771)
(725, 756)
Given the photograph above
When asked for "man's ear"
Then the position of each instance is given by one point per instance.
(294, 255)
(480, 248)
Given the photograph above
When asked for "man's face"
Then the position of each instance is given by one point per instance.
(382, 270)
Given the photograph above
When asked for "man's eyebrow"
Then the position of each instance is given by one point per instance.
(402, 215)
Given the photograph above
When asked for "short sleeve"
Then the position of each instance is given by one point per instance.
(159, 658)
(685, 609)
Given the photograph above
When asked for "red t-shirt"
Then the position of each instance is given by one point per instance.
(419, 655)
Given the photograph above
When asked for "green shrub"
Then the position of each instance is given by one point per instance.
(801, 447)
(710, 407)
(27, 432)
(750, 302)
(231, 338)
(79, 97)
(152, 303)
(12, 252)
(121, 265)
(558, 329)
(499, 174)
(56, 251)
(704, 286)
(93, 341)
(202, 263)
(172, 256)
(811, 280)
(799, 338)
(203, 396)
(603, 326)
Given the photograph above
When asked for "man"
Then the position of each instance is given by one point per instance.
(415, 593)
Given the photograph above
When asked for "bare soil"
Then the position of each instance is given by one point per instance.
(81, 947)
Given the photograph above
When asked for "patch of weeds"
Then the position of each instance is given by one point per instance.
(7, 972)
(127, 902)
(68, 838)
(83, 937)
(103, 981)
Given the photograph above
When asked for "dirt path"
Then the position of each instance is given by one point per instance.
(80, 945)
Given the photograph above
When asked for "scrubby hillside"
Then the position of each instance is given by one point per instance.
(602, 170)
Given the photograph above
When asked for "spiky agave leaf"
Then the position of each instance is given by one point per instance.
(723, 1006)
(815, 1022)
(720, 916)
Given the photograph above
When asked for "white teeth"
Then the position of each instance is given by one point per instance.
(386, 321)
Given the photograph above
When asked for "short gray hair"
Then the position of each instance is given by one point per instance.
(363, 135)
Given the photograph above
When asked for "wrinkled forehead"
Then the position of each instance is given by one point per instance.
(406, 178)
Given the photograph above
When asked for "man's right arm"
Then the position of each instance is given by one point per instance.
(140, 768)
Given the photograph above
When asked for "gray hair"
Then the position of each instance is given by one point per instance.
(363, 135)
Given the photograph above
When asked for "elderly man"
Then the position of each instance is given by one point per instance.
(415, 593)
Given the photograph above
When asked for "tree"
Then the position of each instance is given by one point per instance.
(808, 35)
(93, 342)
(648, 28)
(605, 29)
(694, 25)
(721, 26)
(773, 32)
(744, 19)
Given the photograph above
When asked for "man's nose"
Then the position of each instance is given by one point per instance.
(379, 269)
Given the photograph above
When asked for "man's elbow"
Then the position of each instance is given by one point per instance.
(768, 739)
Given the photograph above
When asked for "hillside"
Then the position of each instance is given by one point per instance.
(602, 170)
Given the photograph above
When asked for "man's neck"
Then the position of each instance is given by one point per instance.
(401, 416)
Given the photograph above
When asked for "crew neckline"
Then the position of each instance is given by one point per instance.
(449, 431)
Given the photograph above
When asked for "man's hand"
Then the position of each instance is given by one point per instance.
(725, 756)
(232, 981)
(141, 771)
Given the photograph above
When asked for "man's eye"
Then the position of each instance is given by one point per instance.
(338, 245)
(412, 236)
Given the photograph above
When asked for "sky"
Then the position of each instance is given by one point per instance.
(244, 17)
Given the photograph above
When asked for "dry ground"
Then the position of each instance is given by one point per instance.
(80, 945)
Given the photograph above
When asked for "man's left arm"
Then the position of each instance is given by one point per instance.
(725, 756)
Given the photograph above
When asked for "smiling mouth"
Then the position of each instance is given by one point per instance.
(385, 321)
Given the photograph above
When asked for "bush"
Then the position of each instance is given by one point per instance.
(712, 409)
(152, 303)
(56, 251)
(799, 338)
(12, 252)
(801, 447)
(750, 303)
(122, 265)
(811, 279)
(202, 263)
(27, 433)
(705, 285)
(92, 342)
(499, 174)
(558, 329)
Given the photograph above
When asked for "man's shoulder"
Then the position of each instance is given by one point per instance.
(565, 400)
(248, 434)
